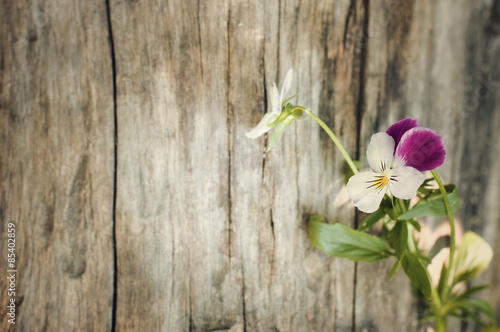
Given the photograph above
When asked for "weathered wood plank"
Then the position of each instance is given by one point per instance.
(288, 284)
(211, 233)
(173, 208)
(480, 162)
(427, 60)
(239, 211)
(219, 59)
(56, 157)
(387, 31)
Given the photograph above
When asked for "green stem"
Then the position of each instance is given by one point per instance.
(440, 325)
(412, 247)
(335, 140)
(401, 205)
(440, 321)
(452, 229)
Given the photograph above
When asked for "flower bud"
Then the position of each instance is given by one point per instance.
(473, 257)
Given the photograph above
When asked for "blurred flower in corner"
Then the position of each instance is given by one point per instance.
(472, 257)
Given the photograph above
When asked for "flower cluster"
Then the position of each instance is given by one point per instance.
(397, 158)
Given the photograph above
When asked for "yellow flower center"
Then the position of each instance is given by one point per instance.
(382, 181)
(379, 182)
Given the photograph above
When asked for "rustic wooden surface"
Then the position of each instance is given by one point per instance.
(56, 164)
(184, 224)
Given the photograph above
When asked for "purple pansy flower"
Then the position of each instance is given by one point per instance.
(397, 157)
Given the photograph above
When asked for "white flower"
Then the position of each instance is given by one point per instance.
(367, 189)
(277, 106)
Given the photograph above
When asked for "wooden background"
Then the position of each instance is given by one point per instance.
(139, 203)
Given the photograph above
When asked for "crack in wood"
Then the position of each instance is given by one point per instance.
(352, 7)
(190, 310)
(358, 115)
(362, 76)
(243, 288)
(199, 37)
(265, 111)
(278, 48)
(274, 245)
(115, 166)
(493, 26)
(229, 132)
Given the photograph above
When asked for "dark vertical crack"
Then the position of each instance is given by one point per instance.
(271, 221)
(190, 296)
(362, 77)
(353, 324)
(274, 243)
(229, 131)
(264, 84)
(278, 48)
(243, 294)
(265, 110)
(347, 20)
(359, 113)
(115, 166)
(199, 38)
(190, 310)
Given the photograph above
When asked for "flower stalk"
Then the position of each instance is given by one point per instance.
(452, 229)
(335, 140)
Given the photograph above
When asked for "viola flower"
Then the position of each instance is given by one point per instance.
(281, 116)
(397, 158)
(276, 108)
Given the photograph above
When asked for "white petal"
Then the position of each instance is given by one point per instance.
(380, 152)
(404, 181)
(365, 195)
(262, 127)
(286, 84)
(276, 100)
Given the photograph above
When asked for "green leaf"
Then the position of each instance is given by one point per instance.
(394, 269)
(479, 305)
(434, 206)
(470, 314)
(442, 282)
(483, 307)
(424, 190)
(371, 220)
(388, 207)
(287, 100)
(415, 224)
(417, 273)
(280, 128)
(399, 238)
(341, 241)
(471, 291)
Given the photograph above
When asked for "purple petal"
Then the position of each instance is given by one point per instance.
(398, 129)
(420, 148)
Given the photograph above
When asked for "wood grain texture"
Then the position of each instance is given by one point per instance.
(434, 62)
(56, 157)
(210, 232)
